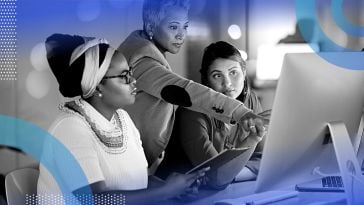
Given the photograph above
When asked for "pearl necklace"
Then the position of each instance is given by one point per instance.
(113, 141)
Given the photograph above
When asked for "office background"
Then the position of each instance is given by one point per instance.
(248, 24)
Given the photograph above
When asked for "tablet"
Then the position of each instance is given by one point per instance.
(222, 158)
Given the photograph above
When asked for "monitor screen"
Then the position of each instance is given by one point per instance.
(311, 92)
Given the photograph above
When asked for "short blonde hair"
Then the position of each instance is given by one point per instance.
(154, 10)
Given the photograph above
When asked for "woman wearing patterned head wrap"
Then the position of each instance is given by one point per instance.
(95, 129)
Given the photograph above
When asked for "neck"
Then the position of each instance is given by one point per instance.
(101, 108)
(160, 48)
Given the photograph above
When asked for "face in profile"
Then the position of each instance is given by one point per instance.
(118, 86)
(170, 33)
(226, 76)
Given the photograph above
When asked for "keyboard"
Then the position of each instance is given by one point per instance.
(325, 184)
(332, 182)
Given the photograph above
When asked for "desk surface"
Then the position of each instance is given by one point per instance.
(236, 190)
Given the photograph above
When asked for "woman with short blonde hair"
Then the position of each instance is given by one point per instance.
(160, 90)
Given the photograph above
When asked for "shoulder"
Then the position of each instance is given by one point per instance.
(255, 102)
(136, 47)
(65, 120)
(69, 125)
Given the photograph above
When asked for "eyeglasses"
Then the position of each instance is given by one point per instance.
(126, 76)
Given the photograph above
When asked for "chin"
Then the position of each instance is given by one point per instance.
(131, 101)
(232, 95)
(174, 50)
(128, 101)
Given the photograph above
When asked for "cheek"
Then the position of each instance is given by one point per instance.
(114, 88)
(166, 36)
(215, 85)
(117, 91)
(239, 82)
(123, 91)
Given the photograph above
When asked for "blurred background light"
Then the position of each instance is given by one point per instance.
(38, 57)
(244, 55)
(38, 83)
(198, 30)
(234, 31)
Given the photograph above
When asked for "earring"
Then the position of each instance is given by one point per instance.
(99, 95)
(150, 35)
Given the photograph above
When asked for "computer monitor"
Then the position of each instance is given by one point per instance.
(311, 92)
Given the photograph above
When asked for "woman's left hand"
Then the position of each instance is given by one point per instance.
(177, 184)
(191, 193)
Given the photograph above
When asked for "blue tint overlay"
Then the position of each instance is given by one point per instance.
(342, 22)
(73, 15)
(31, 139)
(306, 8)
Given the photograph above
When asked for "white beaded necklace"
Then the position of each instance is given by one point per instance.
(113, 141)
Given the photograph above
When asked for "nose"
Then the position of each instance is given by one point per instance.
(132, 82)
(226, 82)
(181, 34)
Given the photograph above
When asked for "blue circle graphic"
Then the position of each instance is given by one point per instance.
(353, 60)
(342, 22)
(31, 139)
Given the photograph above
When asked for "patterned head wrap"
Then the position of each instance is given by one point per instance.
(78, 63)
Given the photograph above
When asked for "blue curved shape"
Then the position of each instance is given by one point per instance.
(353, 62)
(342, 22)
(30, 139)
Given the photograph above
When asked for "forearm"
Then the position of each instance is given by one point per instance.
(156, 80)
(215, 104)
(250, 141)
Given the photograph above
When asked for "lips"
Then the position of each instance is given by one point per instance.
(134, 91)
(178, 45)
(228, 92)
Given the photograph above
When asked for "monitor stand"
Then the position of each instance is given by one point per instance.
(359, 143)
(350, 170)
